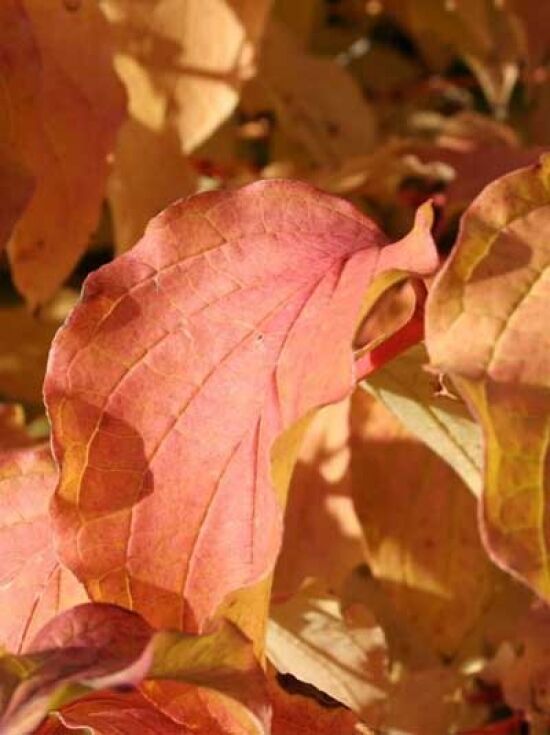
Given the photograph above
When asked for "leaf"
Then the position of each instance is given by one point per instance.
(111, 713)
(16, 188)
(322, 537)
(428, 702)
(294, 714)
(317, 101)
(97, 646)
(342, 656)
(149, 173)
(89, 646)
(521, 667)
(24, 343)
(488, 37)
(171, 63)
(33, 586)
(186, 70)
(419, 524)
(12, 427)
(535, 17)
(63, 133)
(476, 165)
(438, 419)
(485, 329)
(20, 71)
(217, 312)
(196, 709)
(224, 662)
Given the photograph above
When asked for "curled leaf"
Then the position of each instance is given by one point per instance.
(95, 647)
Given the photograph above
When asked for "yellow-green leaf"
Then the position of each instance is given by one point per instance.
(486, 328)
(437, 417)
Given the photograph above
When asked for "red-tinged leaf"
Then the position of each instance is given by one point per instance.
(63, 126)
(229, 691)
(486, 328)
(475, 166)
(33, 586)
(97, 646)
(294, 714)
(201, 710)
(111, 713)
(89, 646)
(187, 357)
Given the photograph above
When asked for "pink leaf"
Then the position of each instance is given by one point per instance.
(185, 360)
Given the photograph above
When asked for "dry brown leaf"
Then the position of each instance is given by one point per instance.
(16, 188)
(424, 405)
(486, 328)
(20, 72)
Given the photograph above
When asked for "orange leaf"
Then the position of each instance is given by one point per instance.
(186, 359)
(20, 73)
(294, 714)
(62, 126)
(111, 713)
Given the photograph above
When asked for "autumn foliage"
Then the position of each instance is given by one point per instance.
(274, 367)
